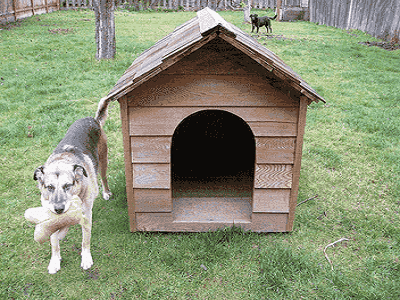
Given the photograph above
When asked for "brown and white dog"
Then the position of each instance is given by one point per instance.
(71, 170)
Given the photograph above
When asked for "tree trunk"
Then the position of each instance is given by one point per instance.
(105, 28)
(279, 10)
(246, 10)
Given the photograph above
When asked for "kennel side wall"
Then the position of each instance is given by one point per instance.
(151, 113)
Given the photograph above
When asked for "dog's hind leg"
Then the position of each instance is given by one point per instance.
(103, 162)
(55, 260)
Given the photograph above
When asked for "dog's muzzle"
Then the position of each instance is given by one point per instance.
(59, 208)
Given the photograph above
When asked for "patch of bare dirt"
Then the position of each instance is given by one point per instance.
(272, 36)
(11, 25)
(61, 31)
(280, 37)
(384, 45)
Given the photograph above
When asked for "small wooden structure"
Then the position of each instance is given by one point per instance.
(213, 127)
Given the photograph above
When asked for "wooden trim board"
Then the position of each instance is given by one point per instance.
(159, 121)
(165, 222)
(207, 90)
(128, 162)
(304, 101)
(212, 210)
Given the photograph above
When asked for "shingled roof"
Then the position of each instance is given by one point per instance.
(193, 34)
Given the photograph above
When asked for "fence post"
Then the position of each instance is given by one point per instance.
(15, 10)
(33, 8)
(350, 15)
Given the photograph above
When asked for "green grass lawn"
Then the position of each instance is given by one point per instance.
(49, 78)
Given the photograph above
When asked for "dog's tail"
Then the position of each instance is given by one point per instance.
(274, 17)
(102, 110)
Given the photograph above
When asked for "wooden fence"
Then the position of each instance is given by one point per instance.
(176, 4)
(185, 4)
(12, 10)
(379, 18)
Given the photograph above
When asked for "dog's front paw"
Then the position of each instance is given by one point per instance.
(54, 265)
(107, 195)
(87, 260)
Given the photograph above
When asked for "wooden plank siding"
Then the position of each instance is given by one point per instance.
(165, 222)
(269, 176)
(154, 116)
(123, 102)
(151, 149)
(180, 89)
(275, 150)
(271, 200)
(152, 176)
(153, 200)
(304, 102)
(162, 121)
(156, 149)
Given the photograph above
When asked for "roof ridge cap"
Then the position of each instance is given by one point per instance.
(209, 19)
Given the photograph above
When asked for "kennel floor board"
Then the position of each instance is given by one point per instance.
(212, 209)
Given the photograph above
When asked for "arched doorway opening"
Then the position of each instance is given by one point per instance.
(213, 157)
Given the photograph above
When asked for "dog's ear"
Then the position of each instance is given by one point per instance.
(38, 174)
(79, 172)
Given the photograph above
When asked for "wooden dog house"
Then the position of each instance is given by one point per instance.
(213, 127)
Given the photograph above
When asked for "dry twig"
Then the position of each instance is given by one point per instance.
(333, 244)
(307, 200)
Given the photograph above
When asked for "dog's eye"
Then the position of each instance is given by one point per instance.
(50, 188)
(67, 186)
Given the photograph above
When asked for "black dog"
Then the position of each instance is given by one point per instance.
(260, 22)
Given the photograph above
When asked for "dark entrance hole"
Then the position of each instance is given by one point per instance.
(213, 155)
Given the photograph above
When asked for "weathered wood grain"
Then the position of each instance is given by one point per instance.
(297, 163)
(273, 176)
(212, 210)
(165, 222)
(128, 162)
(275, 150)
(205, 90)
(151, 149)
(156, 176)
(268, 129)
(153, 200)
(271, 200)
(261, 222)
(163, 120)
